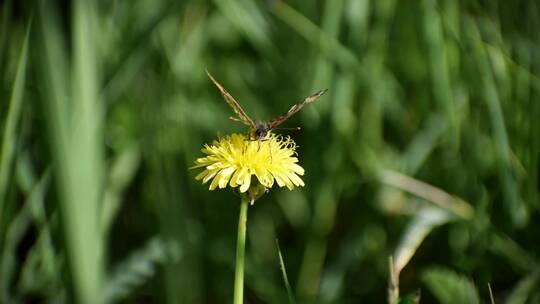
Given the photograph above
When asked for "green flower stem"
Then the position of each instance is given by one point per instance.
(240, 252)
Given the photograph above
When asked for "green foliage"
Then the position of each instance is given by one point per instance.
(139, 267)
(527, 289)
(413, 298)
(424, 151)
(449, 287)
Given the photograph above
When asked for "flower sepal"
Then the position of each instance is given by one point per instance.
(255, 191)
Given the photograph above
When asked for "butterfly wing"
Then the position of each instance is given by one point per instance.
(297, 107)
(234, 104)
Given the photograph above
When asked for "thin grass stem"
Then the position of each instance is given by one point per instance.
(491, 299)
(284, 274)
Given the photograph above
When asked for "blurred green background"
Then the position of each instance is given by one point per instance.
(425, 149)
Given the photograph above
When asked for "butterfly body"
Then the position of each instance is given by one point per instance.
(260, 128)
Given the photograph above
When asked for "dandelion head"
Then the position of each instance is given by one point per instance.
(237, 161)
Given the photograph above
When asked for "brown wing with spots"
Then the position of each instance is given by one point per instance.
(297, 107)
(243, 117)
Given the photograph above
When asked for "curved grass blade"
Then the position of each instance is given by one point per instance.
(422, 224)
(139, 267)
(431, 194)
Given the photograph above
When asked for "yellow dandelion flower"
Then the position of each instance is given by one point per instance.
(234, 159)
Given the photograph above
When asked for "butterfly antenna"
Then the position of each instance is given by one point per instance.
(289, 129)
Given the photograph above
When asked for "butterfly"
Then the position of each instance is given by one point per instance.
(260, 128)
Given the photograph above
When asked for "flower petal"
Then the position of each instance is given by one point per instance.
(297, 169)
(297, 181)
(210, 174)
(224, 176)
(214, 183)
(245, 183)
(201, 175)
(235, 179)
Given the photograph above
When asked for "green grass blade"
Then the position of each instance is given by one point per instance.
(75, 125)
(439, 64)
(418, 229)
(428, 192)
(15, 233)
(312, 265)
(122, 171)
(5, 18)
(334, 50)
(13, 117)
(491, 298)
(248, 18)
(87, 164)
(516, 256)
(425, 141)
(512, 200)
(290, 294)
